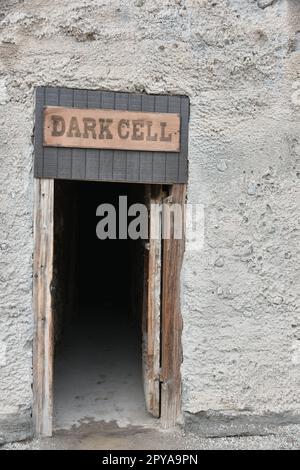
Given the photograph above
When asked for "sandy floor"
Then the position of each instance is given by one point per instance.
(98, 374)
(99, 402)
(109, 436)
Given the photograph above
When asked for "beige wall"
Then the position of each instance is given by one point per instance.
(238, 61)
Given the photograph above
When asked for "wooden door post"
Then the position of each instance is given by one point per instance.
(173, 250)
(43, 321)
(152, 305)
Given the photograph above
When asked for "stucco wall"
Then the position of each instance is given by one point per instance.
(239, 63)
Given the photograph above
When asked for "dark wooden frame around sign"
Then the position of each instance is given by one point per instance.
(111, 165)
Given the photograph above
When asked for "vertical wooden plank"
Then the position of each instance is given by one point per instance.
(145, 307)
(92, 164)
(133, 158)
(183, 156)
(154, 303)
(51, 154)
(172, 158)
(43, 319)
(152, 322)
(93, 156)
(107, 156)
(64, 169)
(173, 250)
(159, 158)
(146, 158)
(79, 155)
(80, 99)
(120, 164)
(38, 132)
(78, 164)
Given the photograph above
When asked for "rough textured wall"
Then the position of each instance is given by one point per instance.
(238, 61)
(241, 293)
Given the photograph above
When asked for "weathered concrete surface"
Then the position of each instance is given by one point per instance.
(235, 423)
(241, 294)
(96, 436)
(239, 63)
(14, 427)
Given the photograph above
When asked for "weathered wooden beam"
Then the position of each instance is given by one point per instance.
(173, 250)
(43, 320)
(153, 327)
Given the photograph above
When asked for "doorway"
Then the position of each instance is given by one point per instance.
(107, 312)
(97, 303)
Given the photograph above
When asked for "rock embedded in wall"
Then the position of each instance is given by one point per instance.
(266, 3)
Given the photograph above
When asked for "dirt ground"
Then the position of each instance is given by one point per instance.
(109, 436)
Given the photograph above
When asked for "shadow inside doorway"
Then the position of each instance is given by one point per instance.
(97, 304)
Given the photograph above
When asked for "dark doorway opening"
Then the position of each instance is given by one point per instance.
(154, 294)
(97, 294)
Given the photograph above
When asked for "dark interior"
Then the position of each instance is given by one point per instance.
(104, 265)
(97, 299)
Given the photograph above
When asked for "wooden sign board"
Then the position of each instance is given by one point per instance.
(111, 129)
(159, 160)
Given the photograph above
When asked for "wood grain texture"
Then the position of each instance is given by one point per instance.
(152, 325)
(134, 166)
(43, 320)
(111, 129)
(173, 250)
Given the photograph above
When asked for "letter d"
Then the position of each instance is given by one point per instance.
(58, 126)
